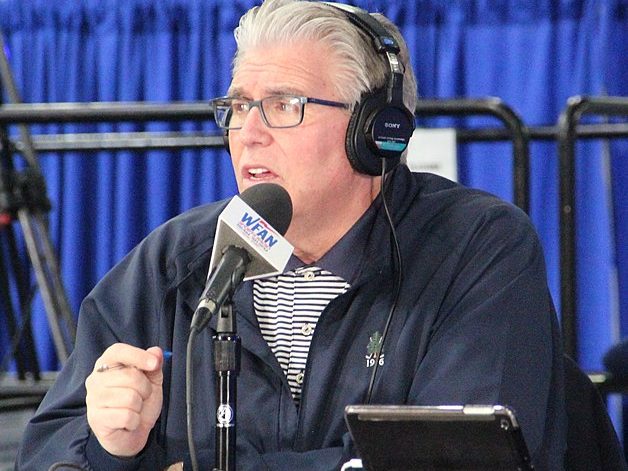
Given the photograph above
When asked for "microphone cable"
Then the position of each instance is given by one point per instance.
(189, 397)
(397, 271)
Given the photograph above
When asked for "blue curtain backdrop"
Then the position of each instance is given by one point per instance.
(533, 55)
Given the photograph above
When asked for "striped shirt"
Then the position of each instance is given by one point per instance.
(288, 307)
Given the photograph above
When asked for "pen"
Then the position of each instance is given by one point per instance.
(116, 366)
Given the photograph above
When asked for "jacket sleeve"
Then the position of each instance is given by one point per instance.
(495, 338)
(59, 432)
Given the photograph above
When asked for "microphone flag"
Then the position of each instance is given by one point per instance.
(241, 226)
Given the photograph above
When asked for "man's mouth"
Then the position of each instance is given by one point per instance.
(259, 173)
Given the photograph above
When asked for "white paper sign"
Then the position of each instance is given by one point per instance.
(434, 151)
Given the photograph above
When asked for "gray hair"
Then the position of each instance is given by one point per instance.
(359, 67)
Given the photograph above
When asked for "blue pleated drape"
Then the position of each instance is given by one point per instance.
(110, 50)
(533, 55)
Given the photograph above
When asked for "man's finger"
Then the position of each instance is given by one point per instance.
(113, 419)
(120, 355)
(118, 398)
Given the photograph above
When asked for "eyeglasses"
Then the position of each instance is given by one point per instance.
(277, 111)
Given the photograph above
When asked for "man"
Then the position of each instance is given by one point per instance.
(460, 280)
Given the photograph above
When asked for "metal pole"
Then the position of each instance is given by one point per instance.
(35, 230)
(227, 351)
(566, 138)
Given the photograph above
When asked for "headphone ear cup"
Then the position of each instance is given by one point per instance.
(377, 130)
(356, 159)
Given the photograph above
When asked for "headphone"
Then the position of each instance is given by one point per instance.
(381, 125)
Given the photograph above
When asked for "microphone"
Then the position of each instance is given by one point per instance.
(249, 244)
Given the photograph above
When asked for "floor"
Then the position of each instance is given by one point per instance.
(13, 424)
(18, 400)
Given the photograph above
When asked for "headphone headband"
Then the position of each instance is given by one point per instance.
(381, 125)
(383, 41)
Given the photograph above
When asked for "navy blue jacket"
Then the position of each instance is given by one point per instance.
(474, 324)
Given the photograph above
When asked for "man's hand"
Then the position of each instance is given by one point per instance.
(124, 397)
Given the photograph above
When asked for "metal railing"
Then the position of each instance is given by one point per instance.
(568, 133)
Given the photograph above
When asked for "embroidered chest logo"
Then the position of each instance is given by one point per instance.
(373, 347)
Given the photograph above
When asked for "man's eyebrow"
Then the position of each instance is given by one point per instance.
(239, 93)
(236, 92)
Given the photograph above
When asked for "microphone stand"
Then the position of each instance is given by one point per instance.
(227, 353)
(216, 300)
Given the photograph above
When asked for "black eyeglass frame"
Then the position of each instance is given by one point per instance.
(259, 103)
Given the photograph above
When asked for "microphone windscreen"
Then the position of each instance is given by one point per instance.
(272, 202)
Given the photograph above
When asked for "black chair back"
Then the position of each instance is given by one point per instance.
(592, 443)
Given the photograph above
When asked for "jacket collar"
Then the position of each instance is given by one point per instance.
(401, 191)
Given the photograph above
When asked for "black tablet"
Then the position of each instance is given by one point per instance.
(469, 438)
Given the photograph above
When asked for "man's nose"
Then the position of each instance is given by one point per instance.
(253, 128)
(254, 116)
